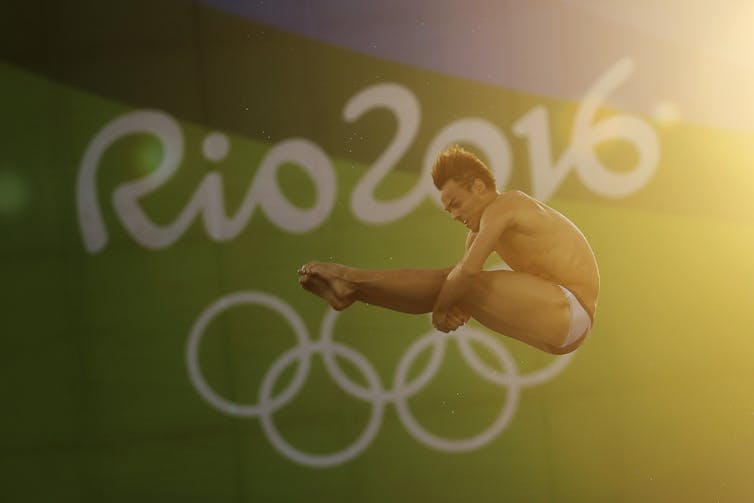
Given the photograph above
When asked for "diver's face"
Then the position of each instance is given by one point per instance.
(464, 205)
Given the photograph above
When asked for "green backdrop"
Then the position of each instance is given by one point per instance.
(144, 362)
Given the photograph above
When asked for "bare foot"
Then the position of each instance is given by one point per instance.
(327, 280)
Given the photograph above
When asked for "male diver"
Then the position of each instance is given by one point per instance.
(548, 299)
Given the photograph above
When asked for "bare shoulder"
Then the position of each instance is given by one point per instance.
(510, 204)
(514, 199)
(517, 198)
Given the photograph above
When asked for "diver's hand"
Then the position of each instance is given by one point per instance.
(447, 321)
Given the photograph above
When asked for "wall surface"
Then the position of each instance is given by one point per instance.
(165, 168)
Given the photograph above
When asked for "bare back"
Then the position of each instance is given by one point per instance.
(542, 242)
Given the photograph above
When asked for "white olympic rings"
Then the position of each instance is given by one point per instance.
(374, 392)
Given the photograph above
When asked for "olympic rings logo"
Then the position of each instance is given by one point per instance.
(374, 393)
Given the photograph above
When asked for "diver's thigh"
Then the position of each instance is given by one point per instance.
(519, 305)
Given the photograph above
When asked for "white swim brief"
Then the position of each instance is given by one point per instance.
(580, 321)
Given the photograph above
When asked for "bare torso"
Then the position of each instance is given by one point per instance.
(542, 242)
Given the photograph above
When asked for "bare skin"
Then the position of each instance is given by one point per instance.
(543, 248)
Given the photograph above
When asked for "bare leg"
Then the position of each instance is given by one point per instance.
(515, 304)
(404, 290)
(522, 306)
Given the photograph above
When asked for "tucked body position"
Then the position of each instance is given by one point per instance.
(549, 298)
